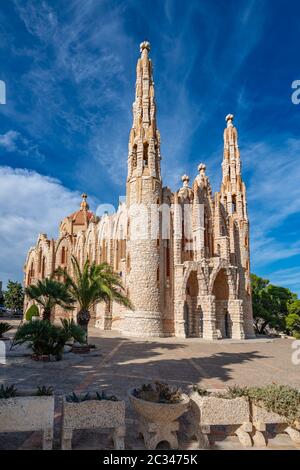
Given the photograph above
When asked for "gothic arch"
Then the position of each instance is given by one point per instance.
(222, 264)
(91, 242)
(105, 232)
(202, 278)
(31, 266)
(43, 255)
(119, 241)
(63, 251)
(79, 248)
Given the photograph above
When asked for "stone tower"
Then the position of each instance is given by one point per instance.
(234, 199)
(143, 197)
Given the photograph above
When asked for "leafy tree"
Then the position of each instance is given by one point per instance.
(90, 285)
(293, 318)
(14, 296)
(270, 304)
(294, 307)
(293, 324)
(1, 297)
(48, 293)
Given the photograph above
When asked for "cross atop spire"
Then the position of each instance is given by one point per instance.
(84, 205)
(145, 45)
(229, 119)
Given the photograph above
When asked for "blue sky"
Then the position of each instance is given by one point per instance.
(69, 69)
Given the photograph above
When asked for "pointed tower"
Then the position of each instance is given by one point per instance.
(234, 200)
(143, 197)
(233, 189)
(144, 141)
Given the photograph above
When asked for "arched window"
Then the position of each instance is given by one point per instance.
(128, 263)
(145, 155)
(233, 204)
(30, 274)
(167, 258)
(43, 266)
(156, 160)
(134, 157)
(63, 255)
(40, 261)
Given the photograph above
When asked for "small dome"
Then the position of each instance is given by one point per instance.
(83, 215)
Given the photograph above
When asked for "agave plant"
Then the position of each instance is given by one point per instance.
(44, 391)
(4, 328)
(73, 398)
(8, 392)
(100, 396)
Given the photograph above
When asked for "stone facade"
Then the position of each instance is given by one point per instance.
(183, 256)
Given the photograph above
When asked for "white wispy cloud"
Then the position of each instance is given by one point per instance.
(39, 18)
(90, 51)
(92, 47)
(8, 140)
(273, 174)
(289, 277)
(14, 142)
(273, 171)
(31, 203)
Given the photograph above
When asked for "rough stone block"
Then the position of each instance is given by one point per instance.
(207, 411)
(28, 413)
(92, 414)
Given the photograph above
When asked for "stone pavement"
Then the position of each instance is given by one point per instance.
(120, 363)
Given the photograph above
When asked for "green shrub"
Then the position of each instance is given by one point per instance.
(158, 393)
(45, 338)
(4, 328)
(32, 311)
(44, 391)
(293, 324)
(8, 392)
(281, 399)
(73, 398)
(201, 391)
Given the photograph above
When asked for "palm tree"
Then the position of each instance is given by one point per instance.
(48, 293)
(92, 284)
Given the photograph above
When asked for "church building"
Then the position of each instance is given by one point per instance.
(183, 256)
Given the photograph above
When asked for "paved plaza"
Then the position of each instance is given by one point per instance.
(119, 363)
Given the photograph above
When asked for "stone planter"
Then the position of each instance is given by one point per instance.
(92, 414)
(4, 338)
(158, 421)
(261, 418)
(28, 413)
(207, 411)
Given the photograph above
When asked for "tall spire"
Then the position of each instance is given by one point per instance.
(233, 189)
(231, 162)
(144, 141)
